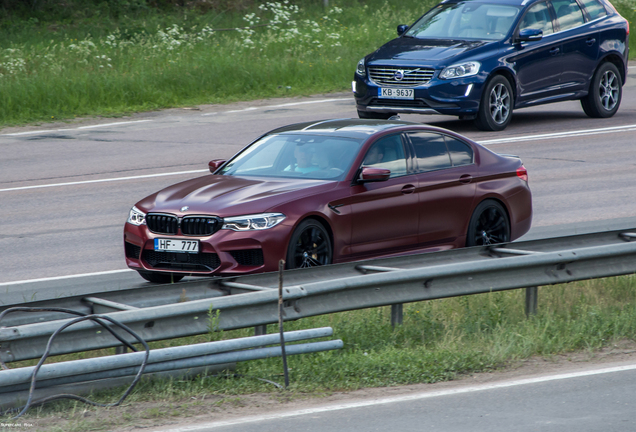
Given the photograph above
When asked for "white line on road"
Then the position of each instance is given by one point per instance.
(555, 135)
(279, 106)
(78, 128)
(395, 399)
(49, 279)
(103, 180)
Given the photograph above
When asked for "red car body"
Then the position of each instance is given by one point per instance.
(380, 216)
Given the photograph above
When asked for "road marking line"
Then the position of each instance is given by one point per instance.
(78, 128)
(396, 399)
(103, 180)
(49, 279)
(555, 135)
(279, 106)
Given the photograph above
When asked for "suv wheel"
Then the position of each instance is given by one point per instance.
(495, 108)
(606, 91)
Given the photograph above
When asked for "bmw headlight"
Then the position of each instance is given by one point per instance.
(253, 222)
(136, 217)
(461, 70)
(360, 70)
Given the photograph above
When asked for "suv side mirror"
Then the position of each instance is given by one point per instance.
(368, 175)
(215, 164)
(401, 29)
(529, 35)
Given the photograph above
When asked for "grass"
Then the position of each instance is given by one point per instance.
(107, 63)
(439, 341)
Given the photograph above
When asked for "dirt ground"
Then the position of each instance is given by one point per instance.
(168, 415)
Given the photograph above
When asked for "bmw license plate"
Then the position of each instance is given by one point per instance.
(393, 93)
(173, 245)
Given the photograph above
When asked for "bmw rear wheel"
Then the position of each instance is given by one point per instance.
(488, 225)
(606, 91)
(495, 108)
(310, 246)
(161, 278)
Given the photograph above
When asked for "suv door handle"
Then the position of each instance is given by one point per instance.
(555, 51)
(408, 189)
(466, 178)
(590, 41)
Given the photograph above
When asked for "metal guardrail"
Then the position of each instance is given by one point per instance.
(336, 288)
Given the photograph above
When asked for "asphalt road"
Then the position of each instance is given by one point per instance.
(66, 189)
(595, 398)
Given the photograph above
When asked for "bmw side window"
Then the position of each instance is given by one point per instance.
(569, 14)
(430, 151)
(538, 18)
(387, 153)
(594, 9)
(460, 152)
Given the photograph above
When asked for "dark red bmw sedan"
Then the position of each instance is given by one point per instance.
(328, 192)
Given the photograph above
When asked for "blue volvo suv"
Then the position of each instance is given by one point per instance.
(480, 59)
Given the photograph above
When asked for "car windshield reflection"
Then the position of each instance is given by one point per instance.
(295, 156)
(479, 21)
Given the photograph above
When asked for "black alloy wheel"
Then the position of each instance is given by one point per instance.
(309, 246)
(495, 108)
(374, 115)
(160, 278)
(488, 225)
(606, 91)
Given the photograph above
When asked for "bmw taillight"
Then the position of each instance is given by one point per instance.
(522, 173)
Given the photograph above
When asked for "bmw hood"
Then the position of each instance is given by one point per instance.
(230, 196)
(418, 50)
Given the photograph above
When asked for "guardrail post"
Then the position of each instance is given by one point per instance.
(396, 314)
(532, 294)
(260, 330)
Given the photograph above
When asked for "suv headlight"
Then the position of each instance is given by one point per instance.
(253, 222)
(460, 70)
(360, 69)
(136, 217)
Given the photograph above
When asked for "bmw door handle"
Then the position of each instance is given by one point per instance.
(466, 178)
(408, 189)
(555, 51)
(590, 41)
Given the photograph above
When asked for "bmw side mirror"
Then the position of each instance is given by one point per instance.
(215, 164)
(530, 35)
(368, 175)
(401, 29)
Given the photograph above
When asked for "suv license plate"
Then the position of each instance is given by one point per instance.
(173, 245)
(392, 93)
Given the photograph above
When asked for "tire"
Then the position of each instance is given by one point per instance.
(488, 225)
(309, 246)
(160, 278)
(374, 115)
(606, 92)
(495, 108)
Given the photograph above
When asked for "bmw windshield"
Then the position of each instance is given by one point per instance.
(465, 20)
(297, 156)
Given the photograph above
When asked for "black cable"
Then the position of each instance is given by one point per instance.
(93, 317)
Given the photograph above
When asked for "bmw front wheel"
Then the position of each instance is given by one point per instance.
(495, 108)
(310, 246)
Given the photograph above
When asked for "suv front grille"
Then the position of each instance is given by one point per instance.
(411, 77)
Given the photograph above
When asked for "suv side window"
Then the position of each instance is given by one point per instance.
(538, 17)
(569, 14)
(594, 9)
(387, 153)
(430, 151)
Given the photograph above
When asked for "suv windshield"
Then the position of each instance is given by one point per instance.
(297, 156)
(466, 20)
